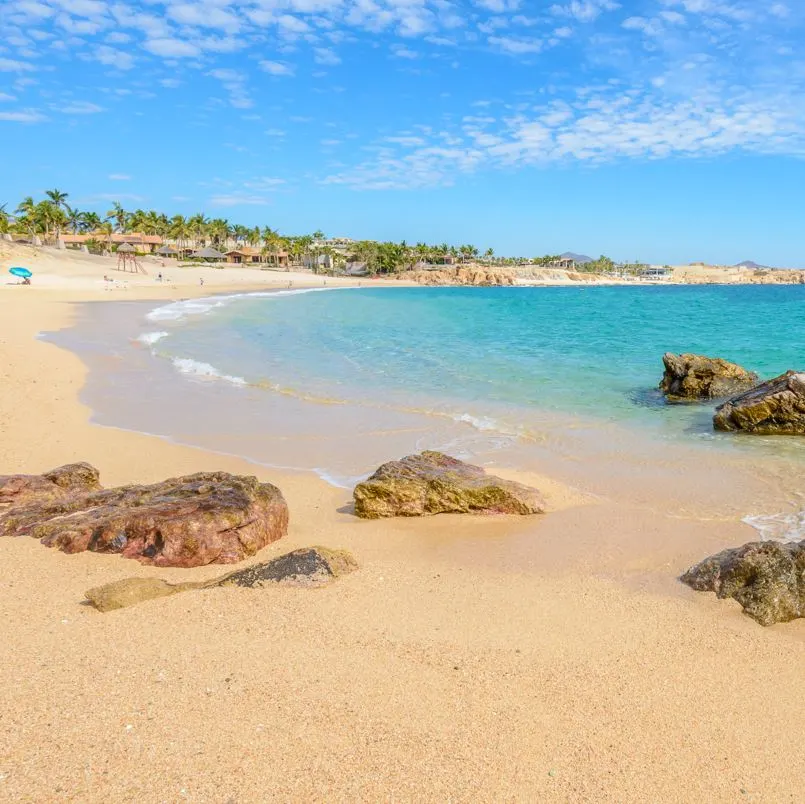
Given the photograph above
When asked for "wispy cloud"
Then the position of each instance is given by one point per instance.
(119, 177)
(27, 116)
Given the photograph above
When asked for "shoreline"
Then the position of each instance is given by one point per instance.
(552, 658)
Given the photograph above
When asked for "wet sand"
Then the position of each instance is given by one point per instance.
(553, 659)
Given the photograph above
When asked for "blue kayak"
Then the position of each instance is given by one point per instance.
(24, 273)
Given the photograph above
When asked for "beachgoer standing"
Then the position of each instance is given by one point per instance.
(159, 277)
(201, 281)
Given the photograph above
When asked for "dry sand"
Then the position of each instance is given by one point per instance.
(470, 659)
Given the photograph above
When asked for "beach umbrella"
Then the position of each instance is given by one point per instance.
(23, 273)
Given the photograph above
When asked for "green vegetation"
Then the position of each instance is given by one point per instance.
(52, 216)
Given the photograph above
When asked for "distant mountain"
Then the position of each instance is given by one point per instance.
(578, 258)
(750, 264)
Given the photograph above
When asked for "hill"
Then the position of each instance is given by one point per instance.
(579, 259)
(753, 266)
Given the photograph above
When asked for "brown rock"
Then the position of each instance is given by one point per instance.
(61, 482)
(210, 517)
(690, 377)
(776, 407)
(309, 566)
(766, 578)
(433, 483)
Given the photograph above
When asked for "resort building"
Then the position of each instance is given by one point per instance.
(141, 242)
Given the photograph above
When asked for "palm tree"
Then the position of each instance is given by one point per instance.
(4, 219)
(119, 215)
(57, 198)
(75, 218)
(106, 229)
(91, 221)
(198, 226)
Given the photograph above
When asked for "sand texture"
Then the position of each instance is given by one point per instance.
(550, 658)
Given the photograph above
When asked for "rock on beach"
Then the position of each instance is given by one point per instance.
(434, 483)
(308, 566)
(766, 578)
(206, 518)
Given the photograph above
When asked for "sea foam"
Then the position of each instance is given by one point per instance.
(177, 311)
(150, 338)
(779, 527)
(198, 369)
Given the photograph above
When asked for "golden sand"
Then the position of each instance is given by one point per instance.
(553, 658)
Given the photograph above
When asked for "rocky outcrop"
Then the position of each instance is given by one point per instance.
(56, 484)
(309, 566)
(766, 578)
(776, 407)
(690, 377)
(465, 275)
(206, 518)
(433, 483)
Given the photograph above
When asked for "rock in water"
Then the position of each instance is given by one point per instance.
(776, 407)
(206, 518)
(766, 578)
(71, 479)
(433, 483)
(309, 566)
(689, 377)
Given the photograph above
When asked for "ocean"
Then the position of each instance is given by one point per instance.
(340, 380)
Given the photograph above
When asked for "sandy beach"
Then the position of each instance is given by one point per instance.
(554, 658)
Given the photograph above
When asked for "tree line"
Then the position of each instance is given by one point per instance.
(52, 216)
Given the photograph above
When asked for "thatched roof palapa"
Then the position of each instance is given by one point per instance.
(167, 250)
(208, 254)
(127, 248)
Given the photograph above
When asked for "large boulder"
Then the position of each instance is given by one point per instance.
(691, 377)
(776, 407)
(433, 483)
(309, 566)
(206, 518)
(766, 578)
(56, 484)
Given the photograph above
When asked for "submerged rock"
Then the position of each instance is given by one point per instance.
(690, 377)
(433, 483)
(766, 578)
(58, 483)
(206, 518)
(309, 566)
(776, 407)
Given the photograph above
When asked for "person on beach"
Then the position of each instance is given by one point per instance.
(159, 276)
(201, 281)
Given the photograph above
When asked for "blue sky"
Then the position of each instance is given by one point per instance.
(661, 130)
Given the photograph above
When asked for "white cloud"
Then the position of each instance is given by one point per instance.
(324, 55)
(113, 57)
(238, 200)
(172, 48)
(584, 10)
(276, 68)
(81, 107)
(204, 16)
(5, 97)
(23, 117)
(402, 52)
(14, 66)
(516, 47)
(119, 177)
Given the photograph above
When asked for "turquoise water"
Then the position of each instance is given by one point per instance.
(594, 352)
